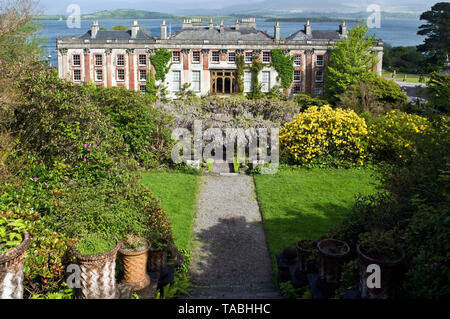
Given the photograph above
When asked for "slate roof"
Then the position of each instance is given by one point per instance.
(315, 35)
(142, 34)
(230, 34)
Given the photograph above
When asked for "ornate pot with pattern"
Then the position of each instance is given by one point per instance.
(135, 267)
(11, 270)
(98, 273)
(157, 261)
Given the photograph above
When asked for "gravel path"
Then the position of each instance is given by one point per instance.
(230, 258)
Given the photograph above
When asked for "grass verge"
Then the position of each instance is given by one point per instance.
(177, 192)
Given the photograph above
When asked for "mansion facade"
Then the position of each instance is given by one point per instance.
(202, 55)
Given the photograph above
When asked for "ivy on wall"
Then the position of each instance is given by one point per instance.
(160, 61)
(240, 62)
(284, 66)
(256, 86)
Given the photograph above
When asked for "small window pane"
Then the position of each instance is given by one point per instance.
(298, 60)
(266, 57)
(121, 75)
(98, 75)
(98, 60)
(248, 57)
(215, 56)
(176, 57)
(232, 57)
(319, 76)
(120, 60)
(77, 75)
(176, 80)
(297, 76)
(142, 59)
(196, 81)
(247, 81)
(196, 56)
(142, 75)
(265, 81)
(319, 60)
(77, 60)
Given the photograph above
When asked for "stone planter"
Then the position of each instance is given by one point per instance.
(135, 267)
(157, 261)
(390, 274)
(98, 274)
(333, 253)
(304, 253)
(11, 270)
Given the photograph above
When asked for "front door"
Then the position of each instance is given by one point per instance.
(224, 82)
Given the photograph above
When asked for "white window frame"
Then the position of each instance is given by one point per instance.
(232, 57)
(122, 58)
(76, 71)
(299, 61)
(141, 79)
(297, 79)
(176, 57)
(265, 85)
(97, 78)
(214, 55)
(98, 58)
(266, 54)
(118, 77)
(247, 81)
(79, 59)
(322, 62)
(194, 59)
(319, 79)
(176, 84)
(142, 90)
(194, 81)
(248, 56)
(144, 57)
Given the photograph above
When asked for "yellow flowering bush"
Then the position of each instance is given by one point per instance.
(323, 135)
(392, 137)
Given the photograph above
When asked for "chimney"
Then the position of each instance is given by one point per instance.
(94, 29)
(237, 24)
(222, 27)
(163, 30)
(308, 28)
(211, 25)
(134, 29)
(343, 29)
(277, 35)
(187, 23)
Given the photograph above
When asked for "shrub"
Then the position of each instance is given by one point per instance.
(306, 100)
(324, 135)
(392, 137)
(144, 129)
(95, 244)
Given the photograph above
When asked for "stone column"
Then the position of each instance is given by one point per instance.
(186, 53)
(65, 64)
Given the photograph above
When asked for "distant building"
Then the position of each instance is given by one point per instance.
(203, 56)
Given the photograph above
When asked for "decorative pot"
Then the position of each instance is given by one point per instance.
(98, 274)
(390, 272)
(135, 267)
(11, 270)
(305, 253)
(333, 253)
(157, 261)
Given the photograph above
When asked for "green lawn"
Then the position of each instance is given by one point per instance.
(303, 204)
(412, 78)
(177, 193)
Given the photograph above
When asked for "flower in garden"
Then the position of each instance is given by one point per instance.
(35, 179)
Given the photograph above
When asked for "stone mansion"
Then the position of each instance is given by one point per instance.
(202, 55)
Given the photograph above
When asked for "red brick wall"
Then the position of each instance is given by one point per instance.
(132, 71)
(308, 73)
(109, 70)
(87, 68)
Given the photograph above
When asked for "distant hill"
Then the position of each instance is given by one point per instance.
(126, 14)
(303, 19)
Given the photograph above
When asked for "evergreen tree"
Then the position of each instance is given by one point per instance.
(437, 30)
(350, 61)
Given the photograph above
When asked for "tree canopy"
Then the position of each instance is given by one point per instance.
(351, 60)
(437, 41)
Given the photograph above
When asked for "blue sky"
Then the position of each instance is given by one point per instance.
(178, 6)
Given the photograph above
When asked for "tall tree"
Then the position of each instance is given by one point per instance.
(437, 42)
(350, 62)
